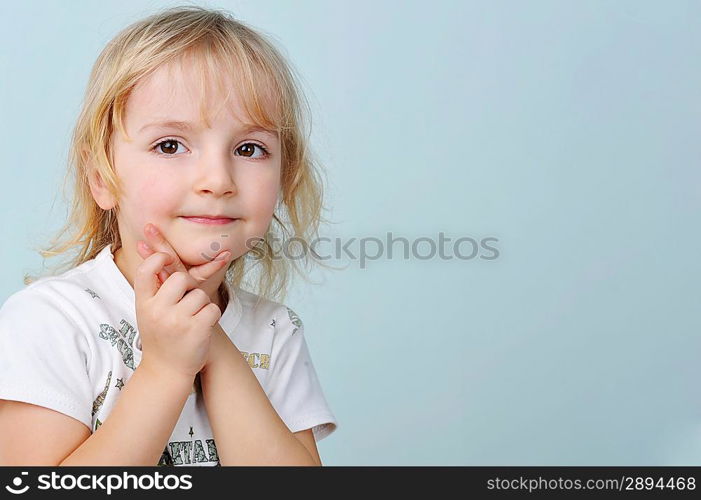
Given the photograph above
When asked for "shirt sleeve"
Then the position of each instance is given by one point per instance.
(44, 356)
(293, 386)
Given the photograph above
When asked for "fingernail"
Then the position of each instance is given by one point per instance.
(146, 247)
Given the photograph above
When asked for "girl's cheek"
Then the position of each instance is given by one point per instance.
(266, 188)
(155, 196)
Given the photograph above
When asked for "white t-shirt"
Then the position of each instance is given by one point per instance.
(70, 343)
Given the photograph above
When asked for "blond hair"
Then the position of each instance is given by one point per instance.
(273, 99)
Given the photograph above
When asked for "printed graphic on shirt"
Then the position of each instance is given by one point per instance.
(251, 358)
(189, 452)
(295, 319)
(123, 339)
(127, 331)
(97, 404)
(165, 458)
(119, 384)
(93, 294)
(97, 423)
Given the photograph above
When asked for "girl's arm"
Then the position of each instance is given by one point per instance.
(247, 429)
(138, 428)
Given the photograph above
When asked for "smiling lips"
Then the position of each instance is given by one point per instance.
(203, 219)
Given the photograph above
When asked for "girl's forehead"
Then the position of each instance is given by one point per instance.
(176, 91)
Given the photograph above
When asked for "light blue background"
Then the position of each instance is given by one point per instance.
(568, 130)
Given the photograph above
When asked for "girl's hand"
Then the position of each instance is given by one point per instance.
(156, 242)
(175, 319)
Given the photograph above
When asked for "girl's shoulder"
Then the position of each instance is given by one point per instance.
(65, 292)
(261, 309)
(44, 319)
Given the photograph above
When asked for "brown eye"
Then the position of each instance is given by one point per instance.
(249, 148)
(168, 147)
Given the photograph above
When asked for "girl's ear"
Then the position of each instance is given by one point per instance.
(99, 190)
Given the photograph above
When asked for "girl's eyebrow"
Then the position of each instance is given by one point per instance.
(184, 125)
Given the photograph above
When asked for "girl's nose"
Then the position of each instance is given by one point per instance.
(215, 175)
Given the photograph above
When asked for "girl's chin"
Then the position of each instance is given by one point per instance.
(198, 259)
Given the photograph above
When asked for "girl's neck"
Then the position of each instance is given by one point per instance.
(223, 297)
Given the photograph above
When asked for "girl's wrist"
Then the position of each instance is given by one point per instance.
(216, 348)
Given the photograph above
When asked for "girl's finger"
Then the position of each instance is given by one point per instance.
(159, 243)
(206, 271)
(163, 276)
(201, 273)
(145, 251)
(145, 283)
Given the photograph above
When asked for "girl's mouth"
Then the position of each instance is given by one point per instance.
(208, 220)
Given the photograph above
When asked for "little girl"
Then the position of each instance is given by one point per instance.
(147, 350)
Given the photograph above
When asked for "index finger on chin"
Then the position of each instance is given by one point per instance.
(159, 243)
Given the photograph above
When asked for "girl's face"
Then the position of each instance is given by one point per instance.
(172, 171)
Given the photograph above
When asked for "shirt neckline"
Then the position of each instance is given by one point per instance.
(230, 318)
